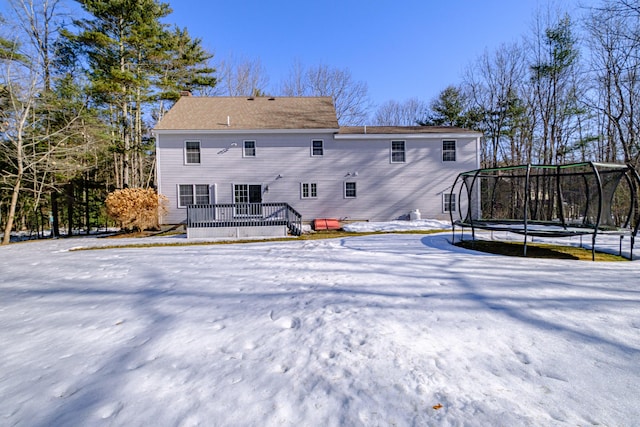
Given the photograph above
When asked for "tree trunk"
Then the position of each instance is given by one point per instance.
(55, 224)
(87, 210)
(12, 211)
(69, 191)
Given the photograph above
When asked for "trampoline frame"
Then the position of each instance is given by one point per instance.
(556, 228)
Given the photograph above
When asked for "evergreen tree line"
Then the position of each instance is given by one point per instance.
(80, 92)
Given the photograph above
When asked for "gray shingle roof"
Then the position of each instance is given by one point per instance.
(240, 113)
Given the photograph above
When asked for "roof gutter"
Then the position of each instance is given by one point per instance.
(240, 131)
(429, 135)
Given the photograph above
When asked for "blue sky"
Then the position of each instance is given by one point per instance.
(401, 49)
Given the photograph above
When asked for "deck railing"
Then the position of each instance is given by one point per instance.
(244, 215)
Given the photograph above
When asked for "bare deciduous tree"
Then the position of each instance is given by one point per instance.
(38, 20)
(241, 77)
(494, 84)
(29, 147)
(614, 41)
(350, 97)
(394, 113)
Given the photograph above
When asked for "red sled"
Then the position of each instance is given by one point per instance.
(326, 224)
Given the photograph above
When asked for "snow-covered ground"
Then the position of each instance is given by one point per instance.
(379, 330)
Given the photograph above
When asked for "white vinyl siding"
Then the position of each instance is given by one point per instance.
(192, 152)
(448, 151)
(317, 148)
(384, 190)
(398, 153)
(249, 149)
(193, 194)
(308, 190)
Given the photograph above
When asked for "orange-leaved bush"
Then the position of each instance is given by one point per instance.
(136, 208)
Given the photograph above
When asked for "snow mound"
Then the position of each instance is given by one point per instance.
(424, 224)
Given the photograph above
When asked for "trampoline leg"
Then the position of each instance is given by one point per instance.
(620, 251)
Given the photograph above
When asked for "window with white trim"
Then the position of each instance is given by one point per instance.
(448, 202)
(350, 190)
(192, 152)
(308, 190)
(448, 151)
(193, 194)
(249, 149)
(317, 148)
(397, 151)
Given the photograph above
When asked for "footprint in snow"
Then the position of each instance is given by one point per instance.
(281, 369)
(218, 327)
(285, 322)
(328, 355)
(64, 390)
(288, 322)
(522, 357)
(109, 410)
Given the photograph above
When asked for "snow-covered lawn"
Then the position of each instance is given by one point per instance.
(381, 330)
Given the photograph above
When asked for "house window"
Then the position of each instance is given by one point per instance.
(448, 202)
(249, 149)
(350, 190)
(308, 190)
(192, 152)
(317, 147)
(448, 151)
(397, 152)
(189, 194)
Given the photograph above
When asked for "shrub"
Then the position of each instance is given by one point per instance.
(136, 208)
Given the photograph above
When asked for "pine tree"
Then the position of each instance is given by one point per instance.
(134, 60)
(121, 41)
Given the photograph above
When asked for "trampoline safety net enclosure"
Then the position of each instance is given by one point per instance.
(549, 200)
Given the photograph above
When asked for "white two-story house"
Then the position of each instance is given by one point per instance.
(236, 150)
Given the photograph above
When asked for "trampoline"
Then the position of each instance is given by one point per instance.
(574, 199)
